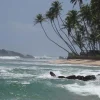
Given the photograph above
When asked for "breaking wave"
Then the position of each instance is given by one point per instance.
(9, 57)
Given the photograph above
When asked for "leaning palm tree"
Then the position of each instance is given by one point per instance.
(56, 8)
(74, 25)
(50, 15)
(39, 19)
(79, 40)
(95, 8)
(75, 1)
(72, 18)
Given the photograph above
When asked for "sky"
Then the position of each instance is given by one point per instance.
(17, 30)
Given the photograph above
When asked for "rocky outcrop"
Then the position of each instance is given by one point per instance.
(83, 78)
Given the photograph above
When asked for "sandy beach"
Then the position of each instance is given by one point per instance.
(77, 61)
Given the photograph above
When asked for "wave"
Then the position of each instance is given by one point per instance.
(45, 57)
(83, 90)
(48, 76)
(9, 57)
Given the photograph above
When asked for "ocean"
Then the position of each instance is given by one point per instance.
(29, 79)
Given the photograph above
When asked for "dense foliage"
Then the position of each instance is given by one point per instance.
(83, 26)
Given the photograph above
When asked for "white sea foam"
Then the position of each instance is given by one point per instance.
(9, 57)
(89, 89)
(9, 75)
(44, 76)
(48, 76)
(25, 82)
(87, 72)
(45, 57)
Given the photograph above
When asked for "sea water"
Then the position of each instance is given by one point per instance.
(29, 79)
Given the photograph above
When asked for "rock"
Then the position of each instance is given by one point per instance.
(89, 77)
(52, 74)
(86, 78)
(80, 77)
(61, 77)
(71, 77)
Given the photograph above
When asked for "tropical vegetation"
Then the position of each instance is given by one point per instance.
(79, 30)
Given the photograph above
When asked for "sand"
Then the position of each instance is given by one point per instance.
(77, 61)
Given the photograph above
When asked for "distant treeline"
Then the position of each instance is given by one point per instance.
(4, 52)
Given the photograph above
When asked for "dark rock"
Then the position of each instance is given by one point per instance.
(61, 77)
(71, 77)
(89, 77)
(86, 78)
(52, 74)
(80, 77)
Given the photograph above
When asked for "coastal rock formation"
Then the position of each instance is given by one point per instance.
(71, 77)
(83, 78)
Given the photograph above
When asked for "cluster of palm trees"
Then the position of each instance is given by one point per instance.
(80, 29)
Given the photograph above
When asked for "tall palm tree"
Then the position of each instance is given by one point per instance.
(79, 40)
(74, 25)
(72, 19)
(56, 8)
(86, 14)
(95, 8)
(51, 16)
(39, 19)
(75, 1)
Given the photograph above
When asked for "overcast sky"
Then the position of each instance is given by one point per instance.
(17, 30)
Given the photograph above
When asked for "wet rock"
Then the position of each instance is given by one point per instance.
(89, 77)
(61, 77)
(52, 74)
(80, 77)
(71, 77)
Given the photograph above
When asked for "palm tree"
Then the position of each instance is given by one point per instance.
(75, 1)
(39, 19)
(73, 15)
(95, 8)
(51, 16)
(56, 8)
(73, 24)
(79, 40)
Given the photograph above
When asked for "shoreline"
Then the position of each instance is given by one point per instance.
(77, 61)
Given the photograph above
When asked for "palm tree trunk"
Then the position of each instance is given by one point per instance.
(66, 36)
(52, 40)
(56, 30)
(60, 37)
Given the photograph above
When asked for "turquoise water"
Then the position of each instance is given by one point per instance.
(29, 79)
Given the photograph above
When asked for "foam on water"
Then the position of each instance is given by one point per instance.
(9, 75)
(88, 89)
(9, 57)
(48, 76)
(83, 88)
(30, 72)
(25, 82)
